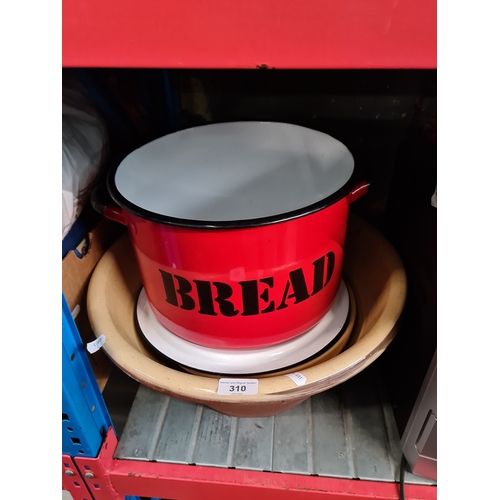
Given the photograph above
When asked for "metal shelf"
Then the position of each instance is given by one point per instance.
(250, 34)
(347, 432)
(322, 447)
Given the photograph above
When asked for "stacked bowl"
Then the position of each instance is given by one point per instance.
(242, 282)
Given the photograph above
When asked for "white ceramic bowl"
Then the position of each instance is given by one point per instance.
(243, 361)
(332, 350)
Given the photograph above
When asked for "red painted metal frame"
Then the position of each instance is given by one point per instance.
(297, 34)
(113, 479)
(74, 483)
(305, 34)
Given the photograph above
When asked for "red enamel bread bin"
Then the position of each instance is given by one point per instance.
(238, 229)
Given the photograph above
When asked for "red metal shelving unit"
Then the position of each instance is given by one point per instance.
(299, 34)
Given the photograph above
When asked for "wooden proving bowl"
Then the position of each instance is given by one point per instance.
(372, 268)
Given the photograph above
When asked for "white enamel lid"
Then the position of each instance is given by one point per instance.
(240, 171)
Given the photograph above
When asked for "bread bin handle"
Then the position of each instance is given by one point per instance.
(102, 203)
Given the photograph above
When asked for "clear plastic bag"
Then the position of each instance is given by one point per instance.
(84, 146)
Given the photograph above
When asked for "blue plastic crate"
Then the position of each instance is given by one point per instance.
(85, 418)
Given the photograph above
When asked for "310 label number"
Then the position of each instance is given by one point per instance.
(237, 388)
(229, 386)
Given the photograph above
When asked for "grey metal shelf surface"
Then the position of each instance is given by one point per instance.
(346, 432)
